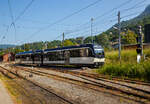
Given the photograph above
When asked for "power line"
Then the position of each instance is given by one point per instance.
(17, 18)
(87, 27)
(106, 13)
(88, 22)
(88, 31)
(64, 18)
(115, 8)
(10, 10)
(135, 6)
(131, 14)
(12, 18)
(24, 10)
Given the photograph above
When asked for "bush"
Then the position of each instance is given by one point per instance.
(128, 67)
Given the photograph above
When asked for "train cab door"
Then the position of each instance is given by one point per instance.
(67, 57)
(42, 56)
(32, 58)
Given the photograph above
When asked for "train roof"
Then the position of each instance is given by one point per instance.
(38, 51)
(57, 49)
(26, 52)
(29, 52)
(70, 47)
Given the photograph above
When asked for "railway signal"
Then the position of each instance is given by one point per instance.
(139, 40)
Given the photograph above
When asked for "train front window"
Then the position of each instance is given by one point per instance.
(99, 51)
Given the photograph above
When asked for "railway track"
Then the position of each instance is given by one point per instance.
(68, 101)
(21, 89)
(93, 83)
(91, 75)
(97, 76)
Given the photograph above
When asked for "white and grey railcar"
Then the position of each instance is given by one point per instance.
(83, 55)
(24, 57)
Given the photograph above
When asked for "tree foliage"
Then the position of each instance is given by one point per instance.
(69, 43)
(129, 37)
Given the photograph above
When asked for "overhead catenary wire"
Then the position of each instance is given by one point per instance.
(88, 27)
(129, 15)
(24, 10)
(64, 18)
(115, 8)
(12, 18)
(104, 14)
(17, 18)
(134, 6)
(119, 6)
(122, 17)
(88, 31)
(132, 14)
(112, 9)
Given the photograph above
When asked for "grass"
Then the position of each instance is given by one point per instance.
(128, 67)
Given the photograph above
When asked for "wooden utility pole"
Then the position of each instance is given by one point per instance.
(119, 31)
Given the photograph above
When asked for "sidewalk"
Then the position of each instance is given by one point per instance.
(4, 96)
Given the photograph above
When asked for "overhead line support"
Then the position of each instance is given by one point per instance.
(119, 31)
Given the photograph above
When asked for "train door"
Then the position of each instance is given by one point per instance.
(67, 57)
(32, 57)
(42, 56)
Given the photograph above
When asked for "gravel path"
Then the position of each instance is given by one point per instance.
(4, 96)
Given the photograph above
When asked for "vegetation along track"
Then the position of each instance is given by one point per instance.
(10, 74)
(95, 83)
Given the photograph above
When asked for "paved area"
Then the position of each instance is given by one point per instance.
(4, 96)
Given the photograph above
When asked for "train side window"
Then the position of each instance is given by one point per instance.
(83, 52)
(37, 57)
(75, 53)
(61, 55)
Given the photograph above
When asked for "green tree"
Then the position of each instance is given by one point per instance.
(103, 39)
(88, 40)
(68, 43)
(26, 47)
(79, 40)
(54, 44)
(129, 37)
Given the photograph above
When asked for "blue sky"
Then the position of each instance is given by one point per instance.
(33, 25)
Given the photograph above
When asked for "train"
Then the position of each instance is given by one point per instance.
(81, 55)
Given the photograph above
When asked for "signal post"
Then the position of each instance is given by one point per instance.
(139, 49)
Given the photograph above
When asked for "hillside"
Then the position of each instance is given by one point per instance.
(142, 19)
(5, 46)
(132, 24)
